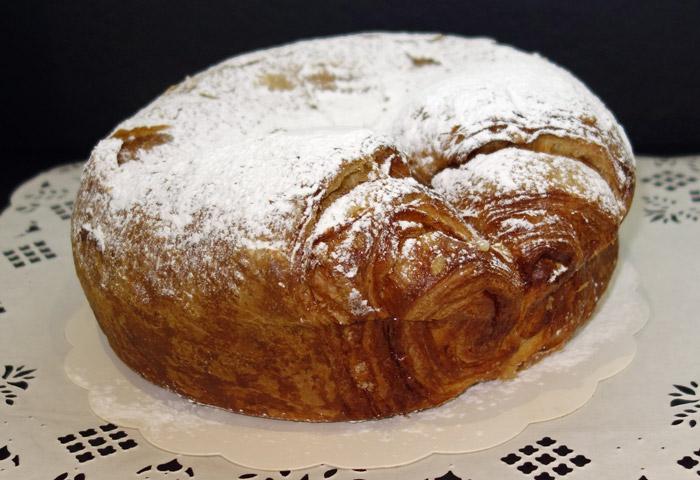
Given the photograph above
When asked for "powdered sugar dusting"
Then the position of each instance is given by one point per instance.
(513, 100)
(556, 273)
(256, 191)
(254, 142)
(367, 209)
(358, 305)
(510, 224)
(96, 233)
(518, 172)
(377, 196)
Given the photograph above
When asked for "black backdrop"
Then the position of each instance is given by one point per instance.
(73, 69)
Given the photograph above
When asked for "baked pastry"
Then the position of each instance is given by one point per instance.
(353, 227)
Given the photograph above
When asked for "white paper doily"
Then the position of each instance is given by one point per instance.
(484, 416)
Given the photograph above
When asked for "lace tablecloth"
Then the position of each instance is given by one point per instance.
(640, 424)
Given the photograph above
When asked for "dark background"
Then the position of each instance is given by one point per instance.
(73, 69)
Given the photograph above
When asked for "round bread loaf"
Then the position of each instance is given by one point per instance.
(352, 227)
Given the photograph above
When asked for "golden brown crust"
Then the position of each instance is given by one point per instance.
(376, 294)
(453, 313)
(332, 372)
